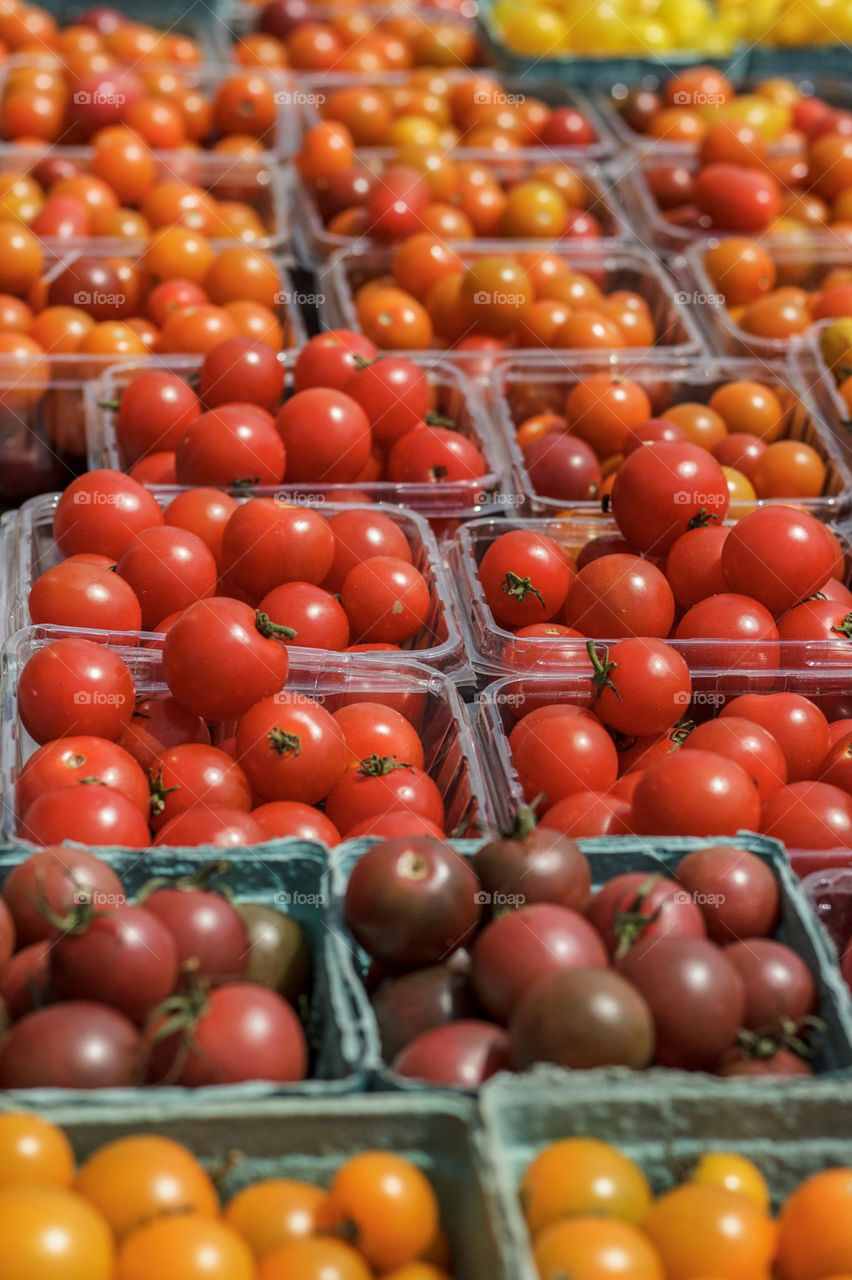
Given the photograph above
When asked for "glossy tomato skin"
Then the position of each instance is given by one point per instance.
(748, 744)
(242, 369)
(234, 444)
(386, 600)
(359, 535)
(208, 931)
(123, 957)
(218, 634)
(382, 786)
(394, 394)
(89, 815)
(660, 488)
(562, 467)
(637, 907)
(461, 1055)
(329, 359)
(25, 980)
(696, 793)
(778, 983)
(55, 1234)
(563, 754)
(435, 455)
(217, 827)
(407, 1006)
(746, 629)
(543, 866)
(809, 815)
(81, 760)
(291, 748)
(795, 722)
(412, 902)
(244, 1032)
(525, 577)
(267, 543)
(167, 569)
(647, 687)
(281, 818)
(582, 1018)
(75, 686)
(522, 946)
(778, 555)
(194, 774)
(55, 877)
(736, 891)
(154, 411)
(319, 621)
(101, 512)
(696, 995)
(84, 595)
(326, 435)
(76, 1045)
(620, 595)
(158, 723)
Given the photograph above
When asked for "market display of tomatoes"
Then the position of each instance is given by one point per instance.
(434, 110)
(101, 988)
(120, 190)
(513, 957)
(591, 1212)
(640, 747)
(456, 200)
(309, 38)
(144, 1203)
(580, 433)
(349, 417)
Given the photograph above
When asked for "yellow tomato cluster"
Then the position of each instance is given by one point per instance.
(556, 28)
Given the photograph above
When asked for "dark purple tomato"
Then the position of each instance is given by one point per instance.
(405, 1007)
(519, 948)
(412, 902)
(541, 866)
(582, 1018)
(25, 980)
(695, 994)
(563, 467)
(735, 891)
(78, 1045)
(778, 983)
(460, 1055)
(638, 906)
(279, 954)
(212, 941)
(121, 956)
(780, 1063)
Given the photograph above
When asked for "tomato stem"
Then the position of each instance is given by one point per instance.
(439, 420)
(845, 628)
(380, 766)
(519, 588)
(702, 519)
(602, 667)
(269, 629)
(283, 742)
(159, 792)
(109, 404)
(629, 925)
(802, 1036)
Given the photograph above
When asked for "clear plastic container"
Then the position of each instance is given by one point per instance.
(27, 549)
(456, 397)
(614, 266)
(506, 701)
(254, 180)
(813, 370)
(804, 264)
(521, 388)
(495, 651)
(314, 89)
(287, 874)
(829, 891)
(428, 699)
(608, 93)
(318, 244)
(206, 77)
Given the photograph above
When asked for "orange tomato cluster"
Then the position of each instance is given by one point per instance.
(29, 29)
(123, 192)
(348, 39)
(49, 97)
(777, 293)
(592, 1214)
(744, 424)
(437, 298)
(440, 108)
(144, 1205)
